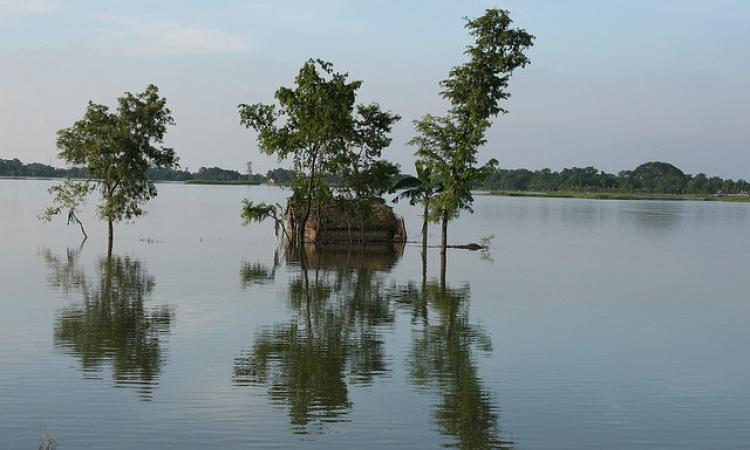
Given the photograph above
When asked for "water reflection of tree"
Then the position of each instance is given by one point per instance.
(332, 342)
(112, 325)
(442, 359)
(341, 302)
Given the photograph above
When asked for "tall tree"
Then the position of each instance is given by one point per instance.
(117, 148)
(474, 89)
(310, 124)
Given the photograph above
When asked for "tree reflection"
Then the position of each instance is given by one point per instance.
(442, 359)
(112, 325)
(333, 340)
(341, 303)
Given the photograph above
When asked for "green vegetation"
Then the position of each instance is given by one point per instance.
(449, 144)
(258, 212)
(645, 181)
(68, 196)
(318, 125)
(116, 149)
(14, 168)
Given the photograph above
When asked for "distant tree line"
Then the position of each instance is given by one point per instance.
(651, 177)
(15, 168)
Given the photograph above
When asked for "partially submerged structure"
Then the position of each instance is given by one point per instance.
(341, 223)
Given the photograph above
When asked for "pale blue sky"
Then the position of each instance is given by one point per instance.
(611, 84)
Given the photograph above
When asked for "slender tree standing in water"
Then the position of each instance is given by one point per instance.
(117, 148)
(474, 89)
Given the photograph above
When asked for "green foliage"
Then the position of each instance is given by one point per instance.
(310, 122)
(15, 168)
(258, 212)
(449, 144)
(310, 125)
(117, 149)
(319, 127)
(281, 176)
(70, 196)
(419, 189)
(364, 176)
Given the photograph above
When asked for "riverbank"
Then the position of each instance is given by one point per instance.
(624, 196)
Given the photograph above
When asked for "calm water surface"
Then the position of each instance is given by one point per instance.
(589, 324)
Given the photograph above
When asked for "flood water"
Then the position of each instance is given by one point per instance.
(589, 324)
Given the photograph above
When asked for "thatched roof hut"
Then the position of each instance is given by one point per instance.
(341, 223)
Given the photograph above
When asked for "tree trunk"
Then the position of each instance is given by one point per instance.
(310, 190)
(444, 234)
(424, 226)
(109, 242)
(443, 263)
(443, 246)
(424, 264)
(85, 236)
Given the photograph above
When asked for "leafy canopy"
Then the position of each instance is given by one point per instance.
(117, 148)
(319, 125)
(449, 144)
(69, 195)
(310, 122)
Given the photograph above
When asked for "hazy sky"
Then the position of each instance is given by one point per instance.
(612, 83)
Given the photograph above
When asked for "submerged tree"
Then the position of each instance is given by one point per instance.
(317, 124)
(474, 89)
(309, 124)
(117, 148)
